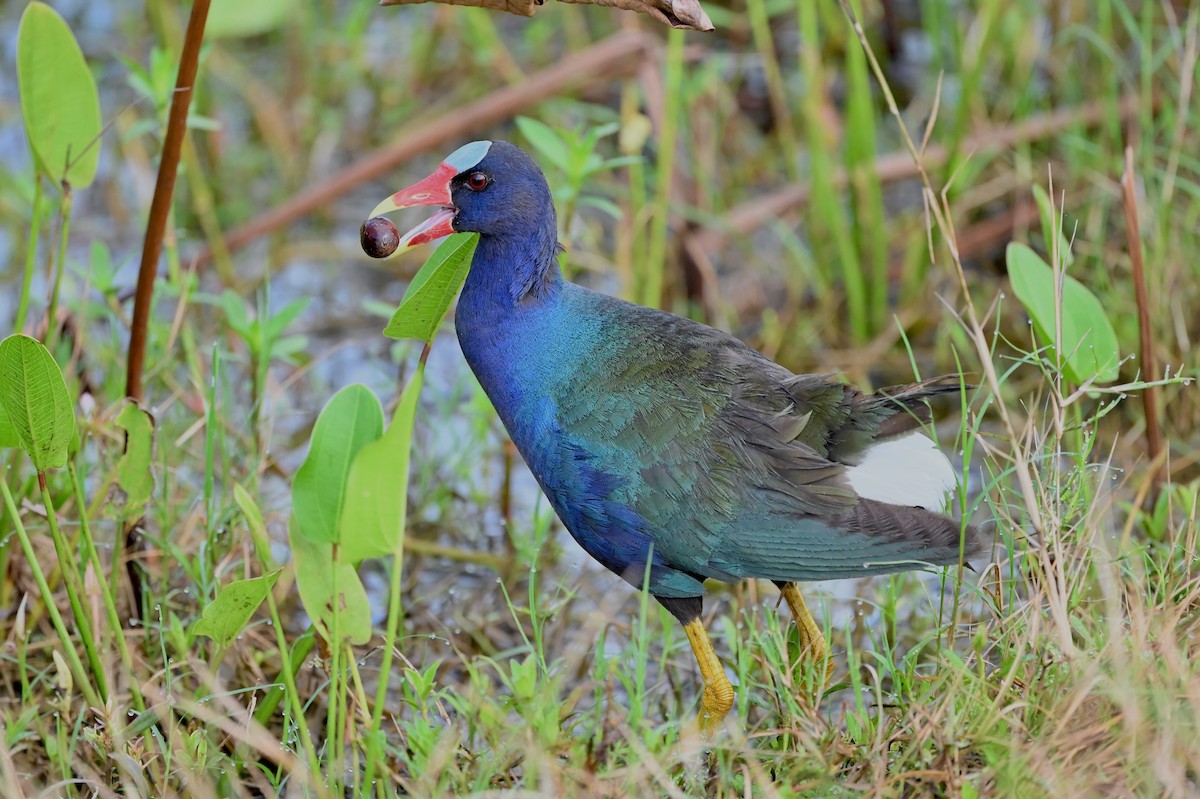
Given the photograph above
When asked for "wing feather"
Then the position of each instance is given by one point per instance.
(736, 465)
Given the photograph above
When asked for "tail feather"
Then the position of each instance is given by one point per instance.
(928, 537)
(908, 404)
(909, 470)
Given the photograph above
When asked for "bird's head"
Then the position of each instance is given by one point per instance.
(489, 187)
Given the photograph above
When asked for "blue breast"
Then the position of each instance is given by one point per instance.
(528, 357)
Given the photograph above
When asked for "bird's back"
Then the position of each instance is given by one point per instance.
(648, 430)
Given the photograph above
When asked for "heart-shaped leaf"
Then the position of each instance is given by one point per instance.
(225, 618)
(133, 470)
(377, 491)
(433, 289)
(350, 420)
(317, 571)
(34, 395)
(58, 98)
(1089, 343)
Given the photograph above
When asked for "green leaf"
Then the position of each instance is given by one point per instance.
(280, 321)
(254, 520)
(34, 394)
(58, 98)
(431, 291)
(236, 313)
(225, 618)
(350, 420)
(316, 570)
(133, 470)
(546, 141)
(238, 18)
(102, 273)
(377, 491)
(1050, 227)
(8, 434)
(1089, 344)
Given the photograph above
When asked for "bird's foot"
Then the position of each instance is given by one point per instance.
(717, 698)
(814, 650)
(715, 704)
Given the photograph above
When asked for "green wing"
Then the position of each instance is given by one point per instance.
(727, 455)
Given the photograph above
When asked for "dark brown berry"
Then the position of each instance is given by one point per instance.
(379, 237)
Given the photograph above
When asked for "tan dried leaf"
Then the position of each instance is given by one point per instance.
(676, 13)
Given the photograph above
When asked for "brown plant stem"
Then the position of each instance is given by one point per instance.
(164, 189)
(1133, 230)
(156, 225)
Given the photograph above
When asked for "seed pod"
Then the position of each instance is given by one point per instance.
(379, 237)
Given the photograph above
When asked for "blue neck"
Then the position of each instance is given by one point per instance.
(511, 281)
(511, 272)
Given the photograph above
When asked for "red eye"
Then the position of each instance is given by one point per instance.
(477, 181)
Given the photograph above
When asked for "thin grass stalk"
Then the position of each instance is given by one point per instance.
(333, 737)
(623, 233)
(375, 740)
(395, 609)
(60, 260)
(110, 605)
(66, 565)
(287, 674)
(652, 278)
(68, 646)
(1146, 72)
(1133, 232)
(870, 222)
(211, 425)
(1189, 59)
(632, 227)
(266, 563)
(35, 223)
(785, 129)
(975, 52)
(637, 700)
(204, 205)
(23, 651)
(1108, 82)
(829, 233)
(6, 586)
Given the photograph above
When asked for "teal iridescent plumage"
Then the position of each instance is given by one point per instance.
(658, 438)
(646, 429)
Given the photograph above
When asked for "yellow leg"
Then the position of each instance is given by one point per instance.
(717, 698)
(812, 642)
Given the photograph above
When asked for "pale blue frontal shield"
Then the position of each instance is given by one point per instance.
(467, 156)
